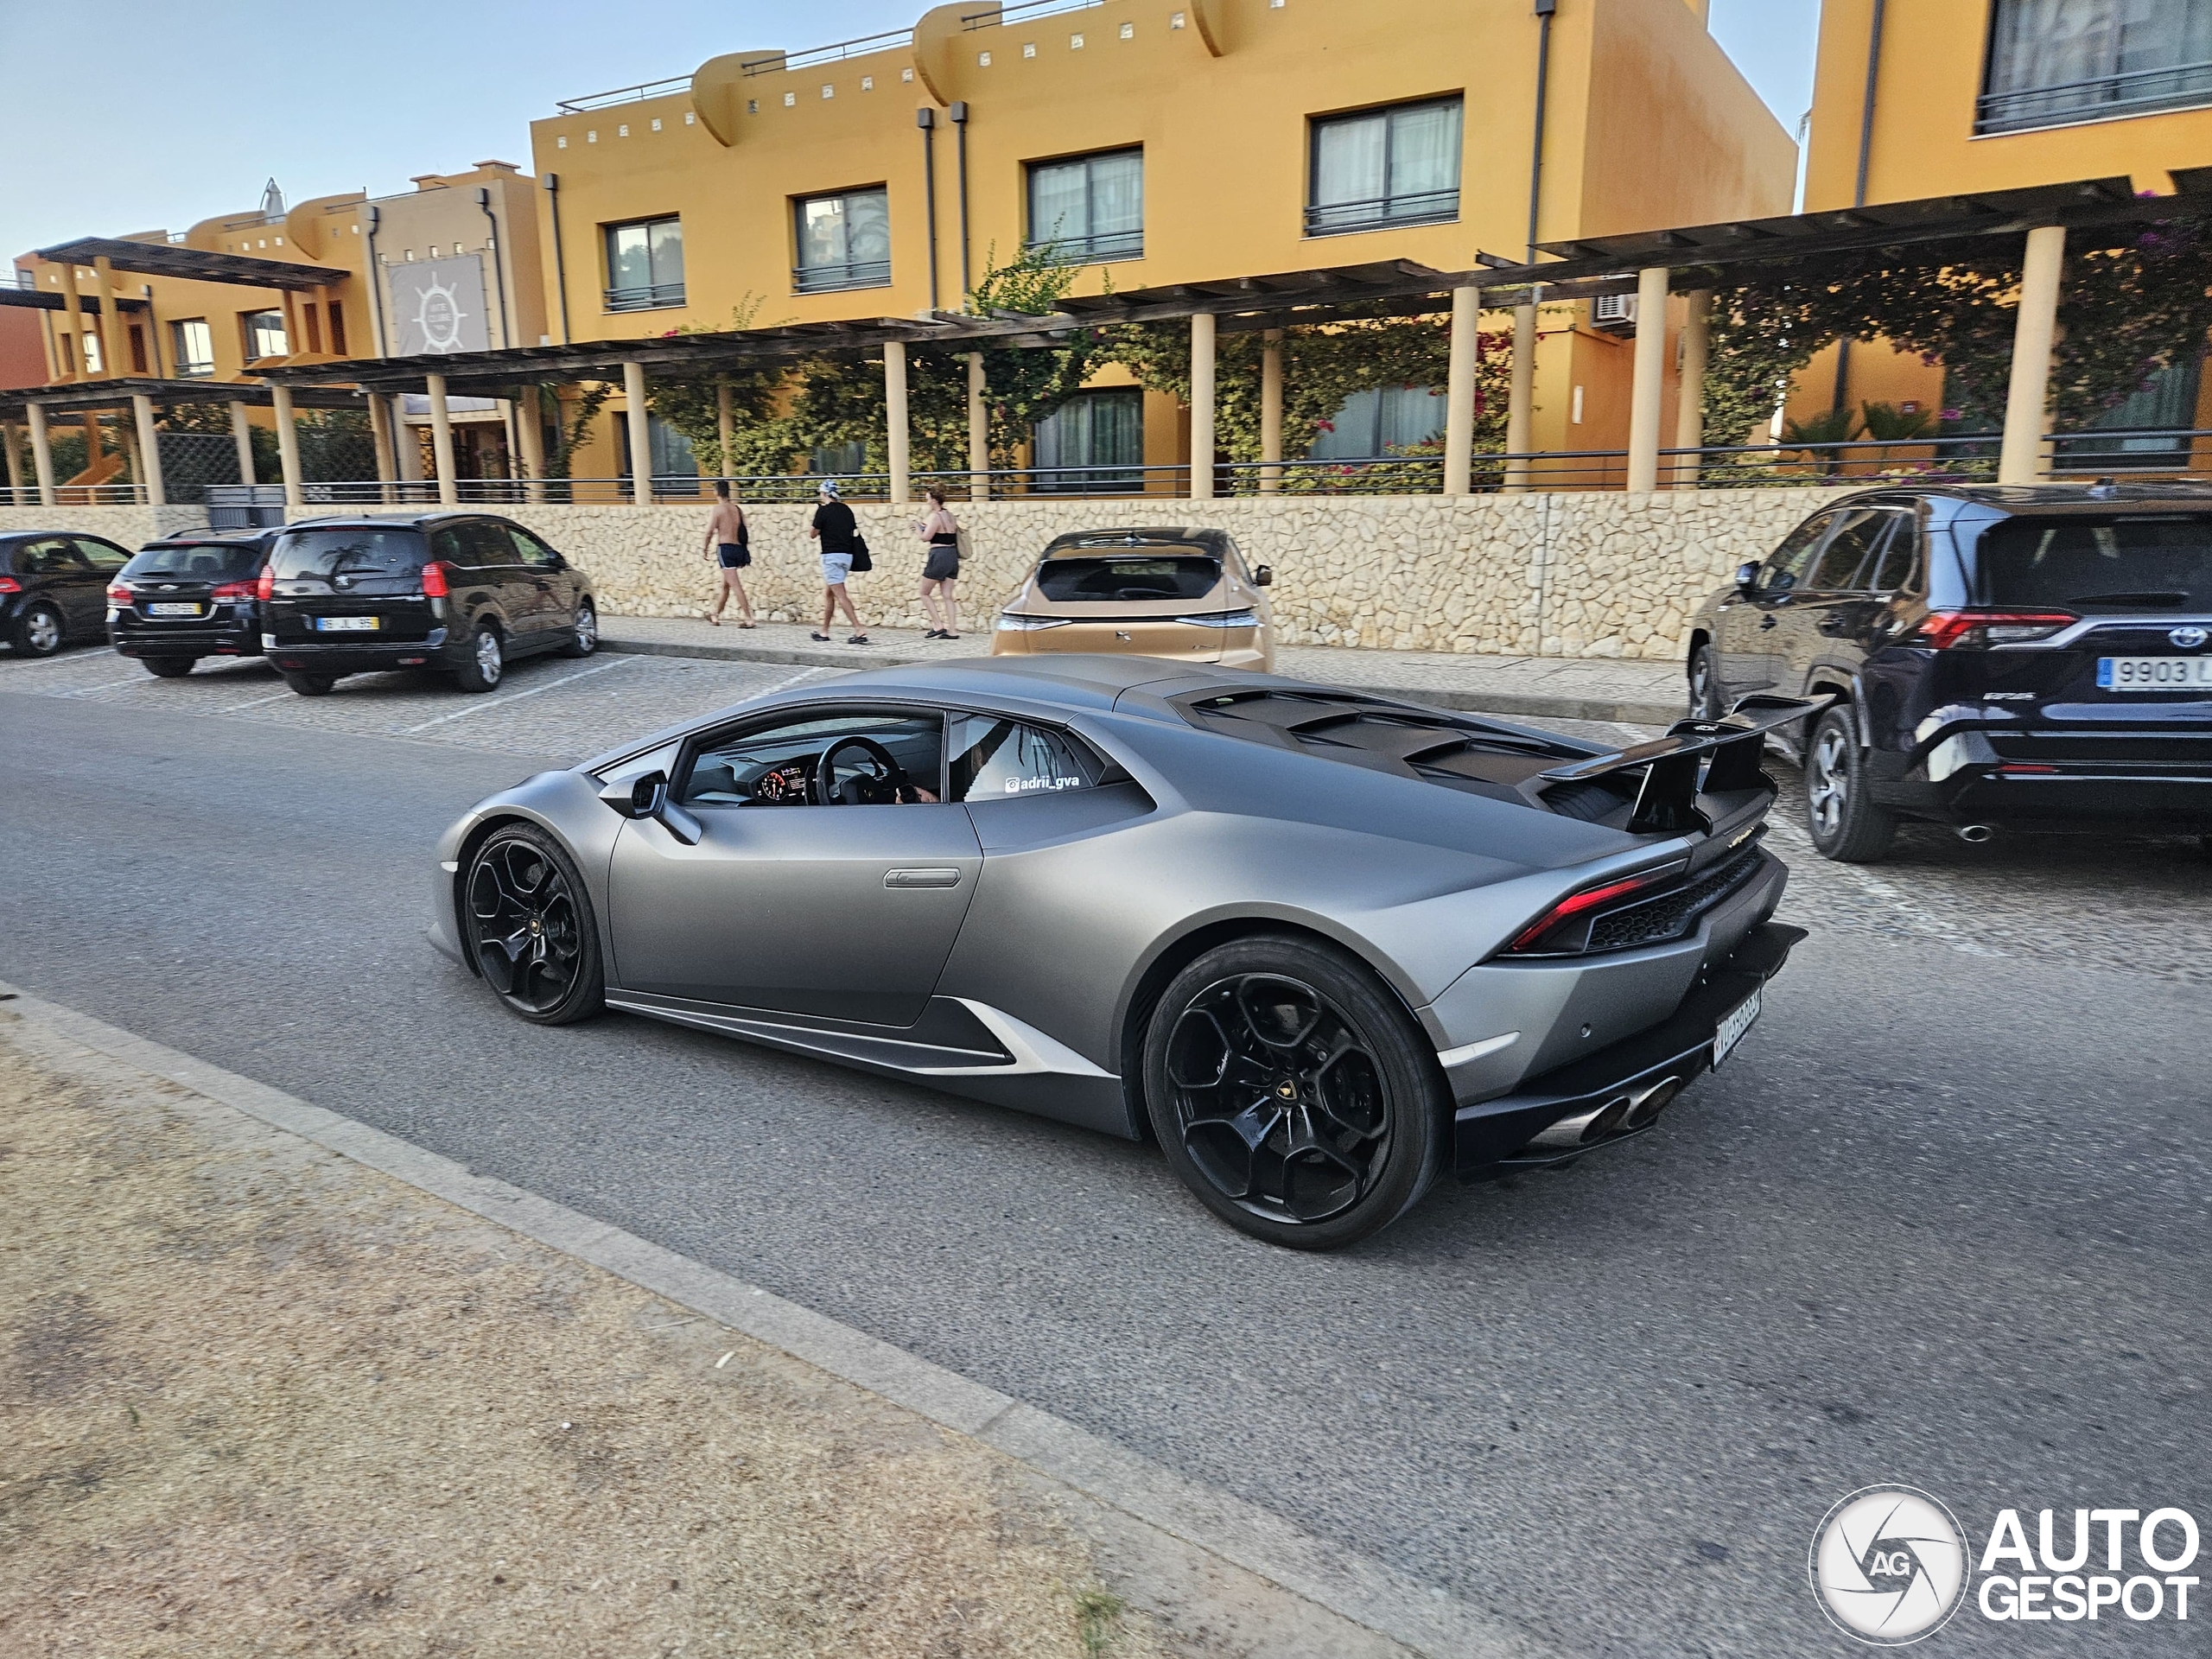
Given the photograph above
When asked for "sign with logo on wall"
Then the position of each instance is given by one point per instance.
(438, 305)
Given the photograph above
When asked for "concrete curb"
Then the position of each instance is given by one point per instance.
(1533, 704)
(1392, 1604)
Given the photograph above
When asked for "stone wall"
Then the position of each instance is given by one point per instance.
(1576, 573)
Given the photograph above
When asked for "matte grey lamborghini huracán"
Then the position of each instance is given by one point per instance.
(1322, 945)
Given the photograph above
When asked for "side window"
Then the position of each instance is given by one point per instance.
(1786, 564)
(449, 546)
(1899, 569)
(66, 558)
(40, 559)
(875, 760)
(1850, 550)
(997, 760)
(103, 558)
(487, 544)
(532, 552)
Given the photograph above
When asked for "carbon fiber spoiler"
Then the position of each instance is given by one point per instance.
(1666, 802)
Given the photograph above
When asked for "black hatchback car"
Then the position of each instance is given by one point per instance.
(54, 588)
(185, 597)
(462, 592)
(2036, 658)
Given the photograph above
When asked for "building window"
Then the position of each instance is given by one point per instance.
(1380, 421)
(1089, 210)
(844, 241)
(1383, 168)
(264, 334)
(1093, 444)
(337, 329)
(137, 350)
(310, 315)
(2146, 432)
(671, 451)
(2056, 62)
(645, 264)
(838, 460)
(194, 347)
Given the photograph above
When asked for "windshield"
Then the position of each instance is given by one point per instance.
(1129, 577)
(2145, 562)
(327, 553)
(197, 561)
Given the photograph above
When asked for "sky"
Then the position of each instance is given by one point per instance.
(200, 101)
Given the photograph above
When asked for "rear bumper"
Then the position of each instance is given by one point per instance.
(155, 641)
(2156, 773)
(355, 657)
(1645, 1070)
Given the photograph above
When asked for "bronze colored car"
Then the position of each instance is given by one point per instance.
(1184, 595)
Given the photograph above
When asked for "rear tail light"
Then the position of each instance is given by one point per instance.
(1564, 929)
(434, 581)
(1979, 630)
(119, 595)
(10, 585)
(264, 585)
(237, 590)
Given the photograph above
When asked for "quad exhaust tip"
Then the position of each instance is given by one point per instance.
(1630, 1110)
(1976, 833)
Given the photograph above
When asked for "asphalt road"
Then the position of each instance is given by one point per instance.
(1941, 1219)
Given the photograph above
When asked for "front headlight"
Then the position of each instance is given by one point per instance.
(1223, 620)
(1014, 622)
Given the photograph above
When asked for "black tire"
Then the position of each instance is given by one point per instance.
(486, 663)
(1705, 685)
(40, 631)
(527, 924)
(583, 637)
(168, 668)
(1841, 815)
(1359, 1134)
(311, 685)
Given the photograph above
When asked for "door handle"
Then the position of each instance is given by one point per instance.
(1832, 624)
(1766, 622)
(921, 878)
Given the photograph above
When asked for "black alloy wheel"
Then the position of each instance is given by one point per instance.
(168, 667)
(39, 630)
(1841, 815)
(487, 661)
(311, 685)
(1705, 685)
(1292, 1093)
(584, 635)
(529, 928)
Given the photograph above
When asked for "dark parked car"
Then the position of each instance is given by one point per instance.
(2035, 658)
(457, 591)
(54, 588)
(188, 597)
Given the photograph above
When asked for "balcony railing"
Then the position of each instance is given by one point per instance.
(1383, 212)
(2100, 98)
(837, 52)
(1024, 12)
(1090, 249)
(626, 95)
(828, 279)
(648, 296)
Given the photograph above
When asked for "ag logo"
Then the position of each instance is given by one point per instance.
(2187, 638)
(1889, 1564)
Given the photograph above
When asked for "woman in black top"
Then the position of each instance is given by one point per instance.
(941, 574)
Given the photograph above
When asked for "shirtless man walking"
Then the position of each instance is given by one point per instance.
(729, 544)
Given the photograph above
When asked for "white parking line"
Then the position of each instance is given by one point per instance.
(478, 708)
(257, 701)
(105, 685)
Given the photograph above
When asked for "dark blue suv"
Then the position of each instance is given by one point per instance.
(2034, 657)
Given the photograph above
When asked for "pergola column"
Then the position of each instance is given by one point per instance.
(1202, 405)
(442, 441)
(2027, 398)
(1521, 405)
(530, 432)
(1459, 392)
(1271, 411)
(407, 441)
(113, 358)
(1689, 406)
(896, 432)
(1644, 393)
(242, 435)
(725, 424)
(380, 438)
(641, 433)
(979, 432)
(288, 444)
(150, 449)
(14, 460)
(41, 454)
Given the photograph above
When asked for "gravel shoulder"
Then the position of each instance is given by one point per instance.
(261, 1400)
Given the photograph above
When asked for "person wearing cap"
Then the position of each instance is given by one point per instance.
(834, 527)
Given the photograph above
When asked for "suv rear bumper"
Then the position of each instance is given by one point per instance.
(355, 657)
(2156, 773)
(1641, 1075)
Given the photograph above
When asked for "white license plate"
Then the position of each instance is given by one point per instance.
(1733, 1025)
(348, 624)
(171, 607)
(2155, 673)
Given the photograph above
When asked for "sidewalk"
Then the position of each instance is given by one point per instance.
(1643, 693)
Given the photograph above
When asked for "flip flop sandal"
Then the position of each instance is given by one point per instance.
(860, 639)
(823, 638)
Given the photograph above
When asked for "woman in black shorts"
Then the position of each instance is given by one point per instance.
(942, 571)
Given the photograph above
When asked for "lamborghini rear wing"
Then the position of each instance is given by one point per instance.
(1675, 766)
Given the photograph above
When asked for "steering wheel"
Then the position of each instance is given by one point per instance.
(878, 786)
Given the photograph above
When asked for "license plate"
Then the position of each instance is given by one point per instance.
(1733, 1025)
(2155, 673)
(348, 624)
(171, 607)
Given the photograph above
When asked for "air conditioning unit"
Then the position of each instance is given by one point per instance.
(1613, 311)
